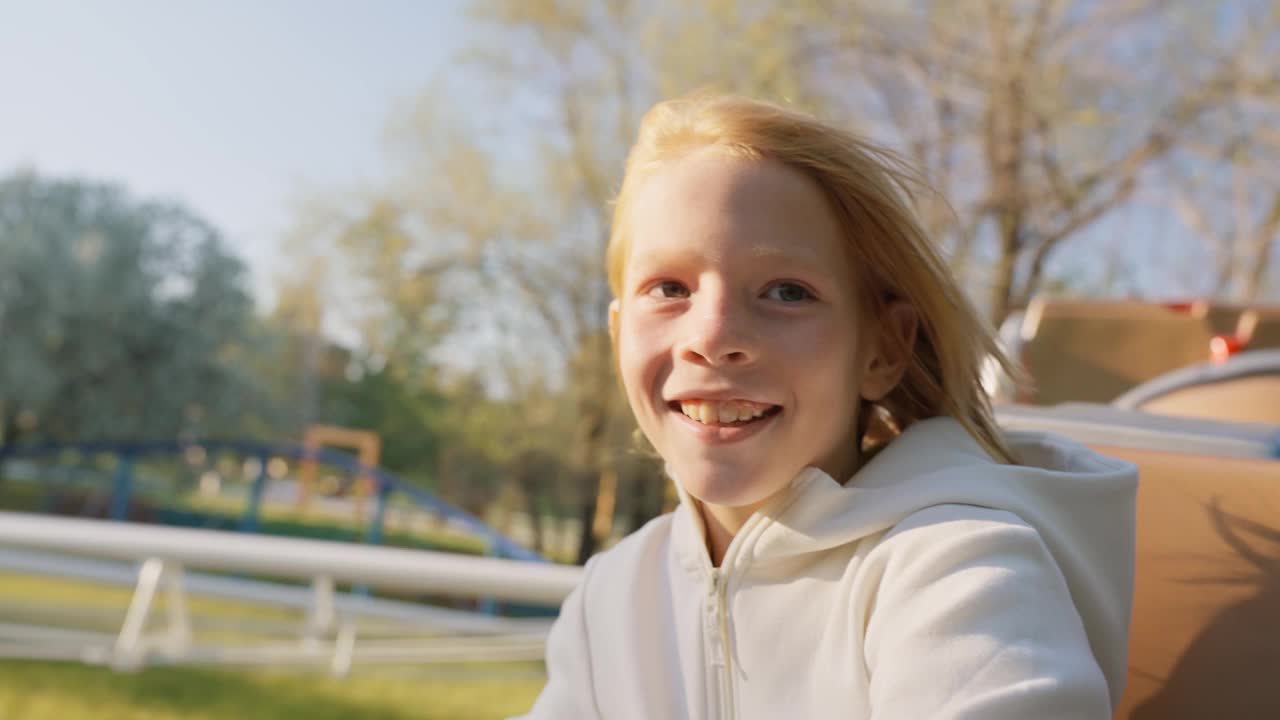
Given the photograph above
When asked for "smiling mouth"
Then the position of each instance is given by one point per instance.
(731, 413)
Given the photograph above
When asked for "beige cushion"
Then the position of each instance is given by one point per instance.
(1260, 328)
(1093, 352)
(1254, 398)
(1205, 638)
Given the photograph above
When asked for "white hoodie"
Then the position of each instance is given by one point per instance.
(937, 583)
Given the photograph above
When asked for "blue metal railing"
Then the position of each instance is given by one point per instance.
(386, 484)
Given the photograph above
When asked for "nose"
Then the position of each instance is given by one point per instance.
(718, 333)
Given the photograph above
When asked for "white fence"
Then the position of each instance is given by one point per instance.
(166, 562)
(108, 552)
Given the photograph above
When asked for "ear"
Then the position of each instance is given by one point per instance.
(890, 355)
(614, 309)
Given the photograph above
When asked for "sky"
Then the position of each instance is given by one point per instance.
(240, 108)
(235, 108)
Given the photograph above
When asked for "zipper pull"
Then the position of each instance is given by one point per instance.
(711, 620)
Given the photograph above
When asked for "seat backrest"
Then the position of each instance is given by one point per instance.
(1261, 328)
(1252, 398)
(1221, 318)
(1205, 635)
(1093, 352)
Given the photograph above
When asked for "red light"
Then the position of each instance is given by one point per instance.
(1222, 347)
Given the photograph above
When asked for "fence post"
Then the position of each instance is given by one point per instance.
(488, 605)
(374, 534)
(253, 508)
(123, 487)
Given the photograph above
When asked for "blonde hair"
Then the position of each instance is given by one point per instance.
(870, 190)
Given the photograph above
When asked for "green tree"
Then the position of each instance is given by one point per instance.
(119, 318)
(484, 252)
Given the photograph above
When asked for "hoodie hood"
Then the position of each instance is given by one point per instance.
(1081, 503)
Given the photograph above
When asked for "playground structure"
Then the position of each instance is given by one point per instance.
(1078, 351)
(385, 488)
(1204, 640)
(327, 635)
(1189, 393)
(469, 597)
(367, 445)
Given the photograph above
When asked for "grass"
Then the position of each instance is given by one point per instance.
(57, 691)
(62, 602)
(70, 691)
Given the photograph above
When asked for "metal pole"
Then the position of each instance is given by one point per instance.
(123, 488)
(129, 652)
(253, 508)
(321, 613)
(376, 523)
(488, 605)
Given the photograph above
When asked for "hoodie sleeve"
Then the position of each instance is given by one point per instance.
(972, 618)
(570, 691)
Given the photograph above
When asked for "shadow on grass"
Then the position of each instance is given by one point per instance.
(39, 690)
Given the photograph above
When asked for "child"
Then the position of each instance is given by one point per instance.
(778, 311)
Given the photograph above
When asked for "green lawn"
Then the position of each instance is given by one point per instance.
(56, 691)
(70, 691)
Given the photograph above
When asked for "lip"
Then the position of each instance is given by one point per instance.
(715, 396)
(723, 434)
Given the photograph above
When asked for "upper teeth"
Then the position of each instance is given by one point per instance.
(724, 412)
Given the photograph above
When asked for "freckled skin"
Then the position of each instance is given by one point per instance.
(736, 282)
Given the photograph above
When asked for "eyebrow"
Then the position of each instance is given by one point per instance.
(802, 256)
(764, 252)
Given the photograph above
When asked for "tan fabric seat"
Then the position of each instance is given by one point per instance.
(1205, 638)
(1244, 388)
(1093, 352)
(1220, 318)
(1260, 328)
(1246, 399)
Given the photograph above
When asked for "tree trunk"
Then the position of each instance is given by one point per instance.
(1268, 234)
(8, 430)
(1006, 266)
(587, 536)
(527, 480)
(646, 500)
(594, 413)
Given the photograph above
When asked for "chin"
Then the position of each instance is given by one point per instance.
(726, 486)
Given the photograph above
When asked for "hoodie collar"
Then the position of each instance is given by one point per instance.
(934, 462)
(690, 534)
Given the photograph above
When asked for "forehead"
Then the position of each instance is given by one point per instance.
(711, 204)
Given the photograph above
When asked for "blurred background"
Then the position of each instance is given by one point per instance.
(237, 236)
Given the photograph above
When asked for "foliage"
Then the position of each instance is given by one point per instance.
(480, 259)
(121, 319)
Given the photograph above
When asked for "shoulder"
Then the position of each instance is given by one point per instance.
(980, 543)
(971, 597)
(641, 553)
(956, 516)
(955, 521)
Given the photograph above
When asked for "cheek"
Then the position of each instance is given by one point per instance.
(640, 358)
(824, 365)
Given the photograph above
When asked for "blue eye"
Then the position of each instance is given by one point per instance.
(669, 289)
(789, 292)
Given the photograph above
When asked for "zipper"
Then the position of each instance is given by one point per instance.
(722, 652)
(719, 591)
(719, 583)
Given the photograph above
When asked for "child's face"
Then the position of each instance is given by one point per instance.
(736, 327)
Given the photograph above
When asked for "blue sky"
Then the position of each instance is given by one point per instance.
(233, 107)
(239, 108)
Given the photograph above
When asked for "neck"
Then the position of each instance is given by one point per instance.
(722, 524)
